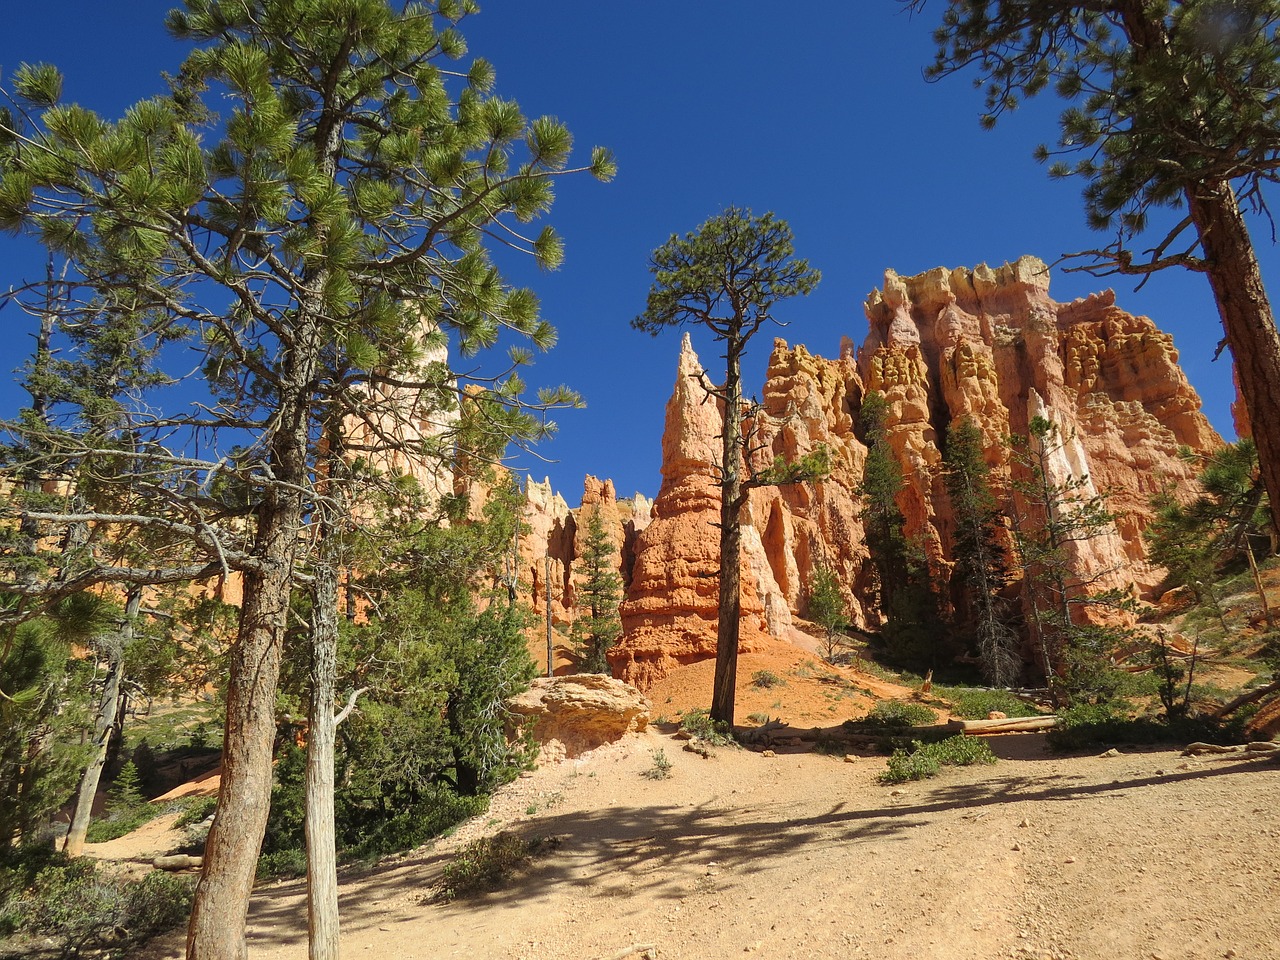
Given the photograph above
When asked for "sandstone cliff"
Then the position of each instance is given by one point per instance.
(992, 345)
(556, 533)
(942, 345)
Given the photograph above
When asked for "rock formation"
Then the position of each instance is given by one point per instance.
(670, 613)
(992, 345)
(557, 533)
(943, 345)
(574, 714)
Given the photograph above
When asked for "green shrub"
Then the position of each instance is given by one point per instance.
(71, 903)
(926, 759)
(700, 724)
(158, 902)
(977, 704)
(899, 713)
(196, 810)
(1088, 726)
(915, 764)
(765, 679)
(282, 864)
(436, 812)
(115, 825)
(486, 864)
(661, 768)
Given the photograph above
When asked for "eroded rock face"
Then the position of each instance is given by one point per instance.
(558, 532)
(942, 345)
(670, 614)
(574, 714)
(992, 345)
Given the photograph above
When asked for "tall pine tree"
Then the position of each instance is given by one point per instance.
(981, 570)
(911, 628)
(305, 245)
(597, 627)
(727, 276)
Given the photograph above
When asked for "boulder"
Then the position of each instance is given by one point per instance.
(579, 712)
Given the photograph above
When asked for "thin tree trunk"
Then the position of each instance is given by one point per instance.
(724, 687)
(1257, 583)
(103, 727)
(322, 870)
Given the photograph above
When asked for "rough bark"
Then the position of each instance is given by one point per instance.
(322, 869)
(724, 686)
(1247, 320)
(103, 727)
(221, 905)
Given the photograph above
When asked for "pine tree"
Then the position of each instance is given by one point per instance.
(911, 628)
(597, 627)
(43, 692)
(727, 276)
(306, 246)
(981, 569)
(826, 607)
(1191, 540)
(1054, 515)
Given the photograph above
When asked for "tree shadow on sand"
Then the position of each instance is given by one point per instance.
(669, 852)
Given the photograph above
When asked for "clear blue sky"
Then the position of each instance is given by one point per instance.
(815, 111)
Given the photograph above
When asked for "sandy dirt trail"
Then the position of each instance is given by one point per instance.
(1142, 855)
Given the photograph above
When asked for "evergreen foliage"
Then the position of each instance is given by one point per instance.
(309, 210)
(1193, 539)
(438, 653)
(1055, 513)
(597, 627)
(925, 760)
(981, 571)
(79, 909)
(827, 608)
(727, 276)
(908, 604)
(43, 693)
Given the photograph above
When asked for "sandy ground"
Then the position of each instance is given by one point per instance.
(1142, 855)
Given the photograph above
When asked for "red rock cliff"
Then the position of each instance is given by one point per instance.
(942, 345)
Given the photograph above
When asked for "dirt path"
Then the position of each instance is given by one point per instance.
(1137, 856)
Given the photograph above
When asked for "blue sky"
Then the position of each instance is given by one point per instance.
(816, 111)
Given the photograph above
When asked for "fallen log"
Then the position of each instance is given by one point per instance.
(1227, 709)
(1007, 725)
(177, 861)
(1239, 751)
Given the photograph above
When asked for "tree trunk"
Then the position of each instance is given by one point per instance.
(724, 687)
(221, 904)
(103, 727)
(1246, 316)
(322, 870)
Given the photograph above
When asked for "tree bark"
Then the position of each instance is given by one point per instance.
(103, 727)
(724, 686)
(322, 869)
(221, 904)
(1245, 311)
